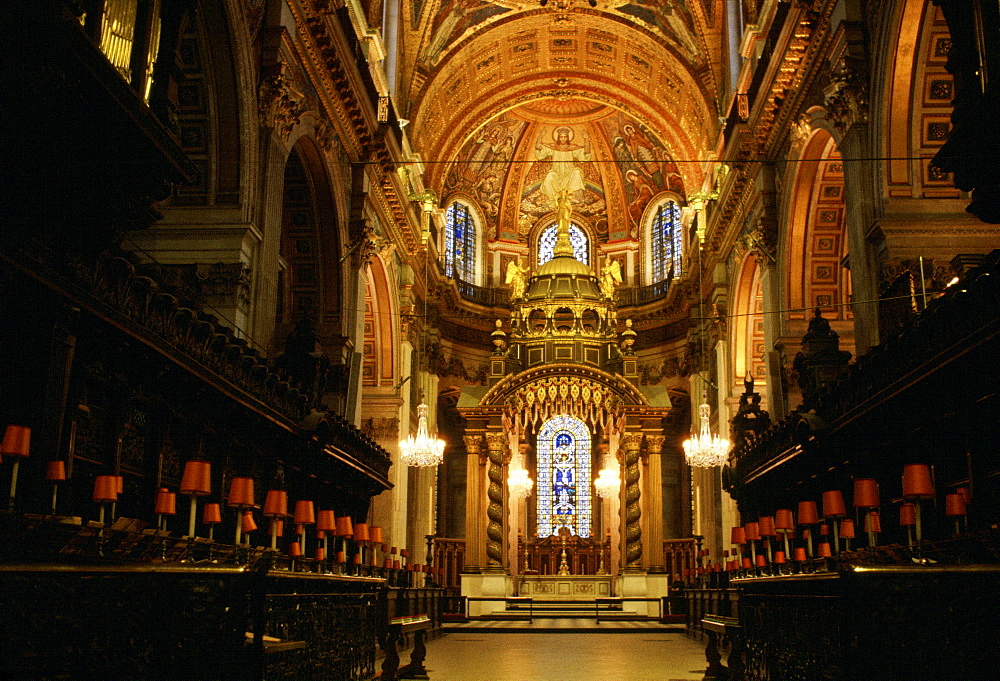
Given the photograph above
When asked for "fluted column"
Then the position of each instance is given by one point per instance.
(474, 540)
(497, 444)
(633, 532)
(654, 502)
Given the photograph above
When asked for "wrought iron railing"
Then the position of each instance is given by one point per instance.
(488, 297)
(631, 297)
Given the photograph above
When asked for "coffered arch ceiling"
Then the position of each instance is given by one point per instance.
(490, 82)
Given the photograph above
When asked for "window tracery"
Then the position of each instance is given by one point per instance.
(564, 462)
(577, 237)
(460, 243)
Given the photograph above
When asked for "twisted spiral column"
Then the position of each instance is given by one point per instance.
(633, 532)
(497, 443)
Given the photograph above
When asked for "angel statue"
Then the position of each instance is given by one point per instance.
(611, 274)
(516, 278)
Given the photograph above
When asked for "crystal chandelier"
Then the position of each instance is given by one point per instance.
(519, 483)
(608, 483)
(421, 450)
(706, 450)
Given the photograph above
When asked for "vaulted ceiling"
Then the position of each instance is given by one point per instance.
(490, 82)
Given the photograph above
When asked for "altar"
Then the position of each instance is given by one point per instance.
(565, 587)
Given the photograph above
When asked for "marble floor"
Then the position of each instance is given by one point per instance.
(564, 657)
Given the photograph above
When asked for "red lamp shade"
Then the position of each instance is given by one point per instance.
(393, 550)
(344, 527)
(166, 502)
(341, 558)
(766, 526)
(396, 565)
(249, 524)
(276, 503)
(799, 554)
(917, 481)
(360, 531)
(752, 531)
(405, 553)
(874, 522)
(907, 515)
(824, 549)
(326, 521)
(954, 505)
(965, 493)
(783, 519)
(738, 536)
(847, 528)
(16, 441)
(55, 471)
(761, 560)
(294, 549)
(779, 557)
(279, 527)
(197, 478)
(808, 514)
(356, 559)
(833, 504)
(387, 564)
(305, 513)
(865, 493)
(241, 492)
(376, 535)
(824, 530)
(320, 553)
(747, 564)
(725, 554)
(105, 488)
(211, 514)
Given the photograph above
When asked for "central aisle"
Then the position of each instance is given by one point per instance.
(544, 657)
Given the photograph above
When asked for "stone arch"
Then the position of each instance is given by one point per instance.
(310, 276)
(814, 247)
(381, 328)
(747, 328)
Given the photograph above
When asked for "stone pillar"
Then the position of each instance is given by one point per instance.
(496, 441)
(630, 443)
(654, 502)
(475, 545)
(846, 101)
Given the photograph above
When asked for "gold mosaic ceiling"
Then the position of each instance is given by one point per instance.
(491, 81)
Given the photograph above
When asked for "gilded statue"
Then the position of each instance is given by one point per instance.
(516, 278)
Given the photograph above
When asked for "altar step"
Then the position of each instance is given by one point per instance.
(564, 625)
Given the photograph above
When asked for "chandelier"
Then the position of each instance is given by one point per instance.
(519, 483)
(421, 450)
(705, 450)
(608, 483)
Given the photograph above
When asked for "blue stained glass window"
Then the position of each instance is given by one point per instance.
(547, 244)
(460, 243)
(564, 482)
(666, 239)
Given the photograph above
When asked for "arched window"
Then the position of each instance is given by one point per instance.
(577, 237)
(460, 243)
(666, 237)
(564, 477)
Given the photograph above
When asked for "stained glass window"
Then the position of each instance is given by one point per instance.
(547, 244)
(564, 477)
(666, 239)
(460, 243)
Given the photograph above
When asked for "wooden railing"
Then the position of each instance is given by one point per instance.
(450, 555)
(583, 556)
(679, 557)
